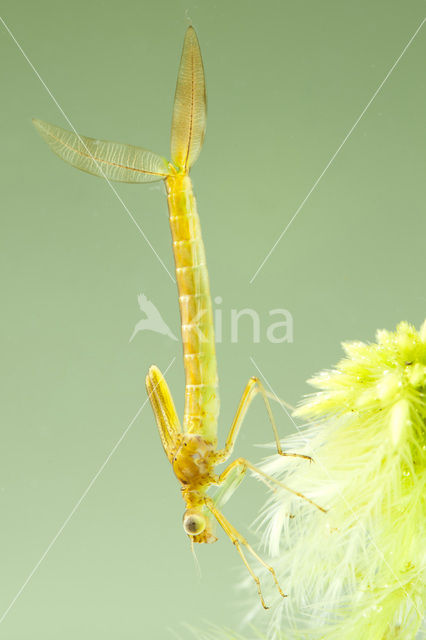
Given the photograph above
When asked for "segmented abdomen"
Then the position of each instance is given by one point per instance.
(201, 396)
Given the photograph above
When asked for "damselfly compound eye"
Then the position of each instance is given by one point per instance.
(193, 523)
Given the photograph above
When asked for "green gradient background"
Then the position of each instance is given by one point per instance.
(285, 81)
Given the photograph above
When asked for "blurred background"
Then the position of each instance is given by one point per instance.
(286, 81)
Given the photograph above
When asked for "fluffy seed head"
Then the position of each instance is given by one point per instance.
(359, 570)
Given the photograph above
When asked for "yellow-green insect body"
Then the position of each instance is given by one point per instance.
(201, 393)
(191, 450)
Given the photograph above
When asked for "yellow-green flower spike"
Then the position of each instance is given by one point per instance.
(357, 572)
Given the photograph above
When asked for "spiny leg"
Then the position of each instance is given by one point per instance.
(250, 570)
(238, 540)
(253, 387)
(245, 464)
(164, 410)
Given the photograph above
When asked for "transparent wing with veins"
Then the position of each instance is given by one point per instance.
(111, 160)
(190, 105)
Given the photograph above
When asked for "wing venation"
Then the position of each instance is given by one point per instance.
(111, 160)
(190, 105)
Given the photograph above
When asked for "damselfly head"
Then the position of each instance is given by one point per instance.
(197, 526)
(194, 522)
